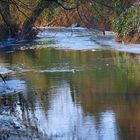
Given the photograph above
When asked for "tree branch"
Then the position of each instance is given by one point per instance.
(65, 8)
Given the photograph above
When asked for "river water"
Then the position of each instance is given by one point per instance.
(70, 84)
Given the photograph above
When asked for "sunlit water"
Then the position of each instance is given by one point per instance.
(70, 85)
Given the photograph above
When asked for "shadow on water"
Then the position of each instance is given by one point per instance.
(68, 94)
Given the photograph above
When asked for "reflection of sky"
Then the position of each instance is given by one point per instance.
(12, 86)
(66, 120)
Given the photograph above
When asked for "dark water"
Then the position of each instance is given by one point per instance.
(60, 94)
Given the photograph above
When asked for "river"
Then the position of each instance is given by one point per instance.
(70, 84)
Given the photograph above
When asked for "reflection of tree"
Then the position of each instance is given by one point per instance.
(128, 65)
(127, 114)
(11, 121)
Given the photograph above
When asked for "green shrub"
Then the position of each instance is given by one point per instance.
(128, 22)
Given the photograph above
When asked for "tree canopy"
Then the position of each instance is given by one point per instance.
(19, 16)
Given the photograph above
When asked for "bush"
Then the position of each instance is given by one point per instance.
(128, 23)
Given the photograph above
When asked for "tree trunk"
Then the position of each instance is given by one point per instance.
(28, 24)
(5, 13)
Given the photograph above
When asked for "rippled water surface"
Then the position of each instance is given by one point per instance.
(70, 85)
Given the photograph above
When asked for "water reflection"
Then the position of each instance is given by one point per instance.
(99, 100)
(65, 119)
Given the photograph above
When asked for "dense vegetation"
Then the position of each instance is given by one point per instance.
(18, 17)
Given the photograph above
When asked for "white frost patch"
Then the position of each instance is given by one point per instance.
(132, 48)
(68, 38)
(82, 39)
(75, 39)
(54, 70)
(111, 43)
